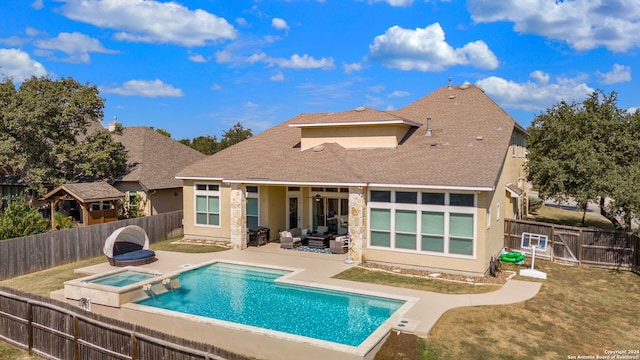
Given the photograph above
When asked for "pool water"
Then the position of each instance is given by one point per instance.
(250, 296)
(123, 278)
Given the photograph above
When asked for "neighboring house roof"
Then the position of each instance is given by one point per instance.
(88, 192)
(466, 149)
(154, 159)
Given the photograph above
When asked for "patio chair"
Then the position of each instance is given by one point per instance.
(338, 245)
(287, 241)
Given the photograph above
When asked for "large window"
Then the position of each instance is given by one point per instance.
(423, 222)
(207, 204)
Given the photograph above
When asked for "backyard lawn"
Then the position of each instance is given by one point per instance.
(579, 311)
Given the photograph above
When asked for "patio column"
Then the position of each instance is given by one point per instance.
(357, 221)
(238, 217)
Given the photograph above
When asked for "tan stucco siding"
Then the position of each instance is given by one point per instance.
(273, 213)
(354, 137)
(165, 200)
(433, 262)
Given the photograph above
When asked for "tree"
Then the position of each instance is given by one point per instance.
(209, 144)
(43, 133)
(18, 220)
(589, 152)
(161, 131)
(234, 135)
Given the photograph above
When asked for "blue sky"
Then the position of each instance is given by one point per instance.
(197, 67)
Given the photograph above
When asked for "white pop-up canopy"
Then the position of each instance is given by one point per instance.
(132, 234)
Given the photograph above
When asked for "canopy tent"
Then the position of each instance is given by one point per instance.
(132, 234)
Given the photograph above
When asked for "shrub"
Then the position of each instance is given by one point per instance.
(535, 203)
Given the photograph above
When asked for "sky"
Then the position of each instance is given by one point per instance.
(198, 67)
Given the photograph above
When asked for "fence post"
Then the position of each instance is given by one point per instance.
(76, 337)
(553, 238)
(580, 239)
(30, 327)
(134, 347)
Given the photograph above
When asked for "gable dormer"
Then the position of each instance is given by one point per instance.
(362, 128)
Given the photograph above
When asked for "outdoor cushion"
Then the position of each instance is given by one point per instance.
(135, 255)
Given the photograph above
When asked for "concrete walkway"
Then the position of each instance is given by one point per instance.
(319, 269)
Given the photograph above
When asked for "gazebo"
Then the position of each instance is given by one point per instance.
(88, 203)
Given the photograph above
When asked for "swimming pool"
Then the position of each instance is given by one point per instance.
(250, 295)
(123, 278)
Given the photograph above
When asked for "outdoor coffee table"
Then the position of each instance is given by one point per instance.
(318, 241)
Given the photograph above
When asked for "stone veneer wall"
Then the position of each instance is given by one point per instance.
(357, 221)
(238, 217)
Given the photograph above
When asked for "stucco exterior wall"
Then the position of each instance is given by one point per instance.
(166, 200)
(354, 137)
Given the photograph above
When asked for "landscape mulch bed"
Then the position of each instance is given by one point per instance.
(500, 278)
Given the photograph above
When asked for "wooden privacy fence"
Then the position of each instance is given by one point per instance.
(585, 246)
(56, 330)
(24, 255)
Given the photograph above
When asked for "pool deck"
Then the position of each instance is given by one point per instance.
(318, 269)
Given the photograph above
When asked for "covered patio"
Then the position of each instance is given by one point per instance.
(306, 211)
(88, 203)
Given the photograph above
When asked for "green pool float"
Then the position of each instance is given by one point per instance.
(513, 257)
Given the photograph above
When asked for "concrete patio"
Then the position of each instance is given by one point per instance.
(316, 269)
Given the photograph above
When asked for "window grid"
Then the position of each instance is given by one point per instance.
(207, 205)
(427, 238)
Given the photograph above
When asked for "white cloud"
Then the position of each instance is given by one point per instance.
(37, 4)
(618, 74)
(197, 58)
(76, 45)
(582, 24)
(426, 50)
(398, 93)
(151, 21)
(394, 3)
(145, 88)
(541, 77)
(224, 56)
(250, 104)
(349, 68)
(530, 96)
(216, 87)
(294, 62)
(277, 77)
(279, 24)
(242, 22)
(17, 65)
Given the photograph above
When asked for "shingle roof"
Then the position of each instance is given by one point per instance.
(87, 192)
(469, 141)
(155, 159)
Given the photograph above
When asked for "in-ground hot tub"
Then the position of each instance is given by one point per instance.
(125, 285)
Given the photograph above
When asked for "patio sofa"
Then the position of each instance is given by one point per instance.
(292, 238)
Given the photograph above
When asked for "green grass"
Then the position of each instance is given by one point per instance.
(416, 283)
(561, 216)
(578, 311)
(169, 245)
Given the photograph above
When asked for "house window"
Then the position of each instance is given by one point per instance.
(433, 231)
(207, 204)
(253, 207)
(381, 227)
(461, 199)
(423, 222)
(405, 227)
(461, 230)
